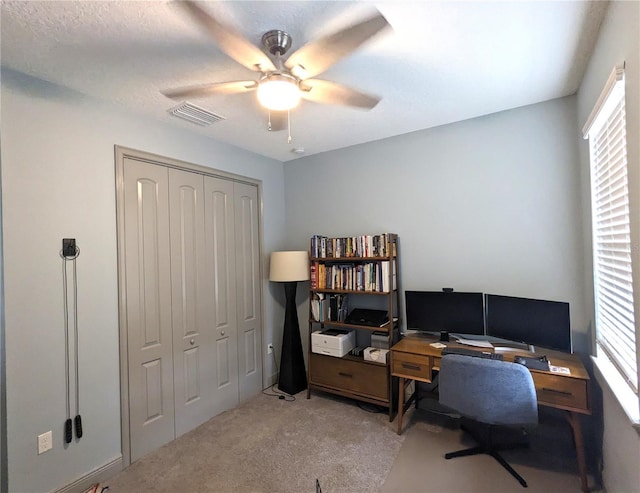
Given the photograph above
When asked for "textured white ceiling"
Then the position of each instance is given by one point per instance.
(444, 61)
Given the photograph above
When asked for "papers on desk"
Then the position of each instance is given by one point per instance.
(560, 369)
(475, 343)
(438, 345)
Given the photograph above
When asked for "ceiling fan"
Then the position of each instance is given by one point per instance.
(284, 81)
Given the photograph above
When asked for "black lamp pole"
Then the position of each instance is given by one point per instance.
(293, 376)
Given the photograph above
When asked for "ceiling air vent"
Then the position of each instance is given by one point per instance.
(195, 114)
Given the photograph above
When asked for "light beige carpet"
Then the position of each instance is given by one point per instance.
(548, 465)
(271, 445)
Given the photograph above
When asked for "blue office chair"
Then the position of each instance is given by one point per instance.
(490, 392)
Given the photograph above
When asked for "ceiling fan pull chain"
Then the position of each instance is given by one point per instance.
(289, 140)
(269, 122)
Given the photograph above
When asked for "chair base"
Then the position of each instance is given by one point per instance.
(489, 448)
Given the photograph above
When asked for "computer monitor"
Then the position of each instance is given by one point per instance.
(437, 311)
(535, 322)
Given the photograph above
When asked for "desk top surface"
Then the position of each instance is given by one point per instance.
(421, 344)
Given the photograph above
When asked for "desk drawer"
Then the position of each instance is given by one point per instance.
(558, 391)
(411, 365)
(354, 376)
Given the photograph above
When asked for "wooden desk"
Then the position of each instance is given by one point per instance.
(413, 358)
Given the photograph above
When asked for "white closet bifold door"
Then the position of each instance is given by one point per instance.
(192, 302)
(148, 285)
(193, 335)
(221, 302)
(249, 308)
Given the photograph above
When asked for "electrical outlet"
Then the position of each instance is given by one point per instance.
(269, 348)
(45, 442)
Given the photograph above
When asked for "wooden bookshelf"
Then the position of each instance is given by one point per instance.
(362, 272)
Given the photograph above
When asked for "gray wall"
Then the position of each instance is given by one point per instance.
(619, 41)
(488, 204)
(58, 181)
(3, 380)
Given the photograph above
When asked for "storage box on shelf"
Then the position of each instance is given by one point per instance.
(354, 273)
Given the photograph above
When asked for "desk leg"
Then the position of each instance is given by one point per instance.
(574, 421)
(400, 404)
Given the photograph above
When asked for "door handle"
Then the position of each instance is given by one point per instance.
(192, 342)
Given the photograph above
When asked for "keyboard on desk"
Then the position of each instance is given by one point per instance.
(471, 352)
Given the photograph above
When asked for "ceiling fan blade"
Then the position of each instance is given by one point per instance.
(201, 90)
(317, 56)
(229, 40)
(324, 91)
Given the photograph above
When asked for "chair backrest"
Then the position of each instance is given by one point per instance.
(489, 391)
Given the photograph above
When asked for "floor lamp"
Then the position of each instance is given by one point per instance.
(289, 268)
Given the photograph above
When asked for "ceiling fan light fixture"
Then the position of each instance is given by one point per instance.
(278, 92)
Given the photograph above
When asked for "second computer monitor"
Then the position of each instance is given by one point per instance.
(537, 322)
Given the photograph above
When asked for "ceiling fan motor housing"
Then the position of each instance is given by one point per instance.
(276, 42)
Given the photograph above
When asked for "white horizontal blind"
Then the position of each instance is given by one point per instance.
(615, 322)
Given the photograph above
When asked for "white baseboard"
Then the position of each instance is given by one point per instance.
(98, 475)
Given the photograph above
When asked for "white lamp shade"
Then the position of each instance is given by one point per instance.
(289, 266)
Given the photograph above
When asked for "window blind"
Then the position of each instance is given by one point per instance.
(615, 321)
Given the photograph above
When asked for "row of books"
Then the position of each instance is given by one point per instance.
(334, 308)
(381, 245)
(368, 276)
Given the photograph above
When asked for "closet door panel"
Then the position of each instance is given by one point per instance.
(249, 304)
(251, 346)
(149, 334)
(193, 343)
(221, 260)
(225, 361)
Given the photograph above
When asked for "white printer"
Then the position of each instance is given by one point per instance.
(333, 342)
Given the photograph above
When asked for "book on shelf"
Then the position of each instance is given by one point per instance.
(338, 307)
(317, 307)
(382, 245)
(333, 308)
(384, 267)
(366, 276)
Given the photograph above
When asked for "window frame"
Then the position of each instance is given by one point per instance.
(616, 378)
